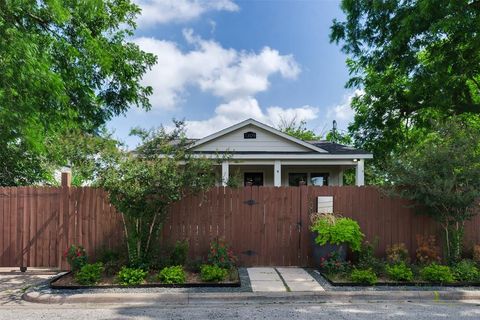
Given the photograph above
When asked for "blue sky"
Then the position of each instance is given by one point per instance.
(222, 61)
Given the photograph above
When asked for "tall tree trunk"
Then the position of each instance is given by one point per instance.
(150, 232)
(139, 242)
(447, 239)
(125, 230)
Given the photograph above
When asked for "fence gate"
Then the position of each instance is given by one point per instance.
(264, 225)
(271, 226)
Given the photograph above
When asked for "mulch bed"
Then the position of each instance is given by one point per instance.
(337, 280)
(67, 281)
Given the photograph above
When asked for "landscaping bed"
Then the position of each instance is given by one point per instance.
(171, 270)
(192, 279)
(339, 280)
(396, 268)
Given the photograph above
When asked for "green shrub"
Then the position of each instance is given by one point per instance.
(221, 255)
(112, 261)
(179, 254)
(337, 230)
(131, 276)
(89, 274)
(437, 273)
(368, 260)
(364, 276)
(466, 270)
(399, 272)
(172, 275)
(76, 257)
(212, 273)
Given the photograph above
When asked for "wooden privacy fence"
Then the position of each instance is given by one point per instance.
(264, 225)
(270, 225)
(38, 223)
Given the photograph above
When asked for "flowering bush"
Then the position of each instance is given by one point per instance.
(334, 264)
(221, 255)
(76, 257)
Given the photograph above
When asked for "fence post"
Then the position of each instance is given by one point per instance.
(63, 217)
(66, 179)
(304, 223)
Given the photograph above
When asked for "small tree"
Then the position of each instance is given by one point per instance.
(297, 129)
(443, 174)
(143, 185)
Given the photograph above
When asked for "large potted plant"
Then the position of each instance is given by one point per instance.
(334, 233)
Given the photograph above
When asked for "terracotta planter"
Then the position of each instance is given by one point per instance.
(319, 251)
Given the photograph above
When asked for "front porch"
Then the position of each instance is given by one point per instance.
(290, 172)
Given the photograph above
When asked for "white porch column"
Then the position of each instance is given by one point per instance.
(225, 174)
(277, 173)
(360, 173)
(340, 177)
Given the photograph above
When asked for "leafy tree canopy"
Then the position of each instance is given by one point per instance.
(443, 174)
(86, 154)
(66, 65)
(415, 60)
(298, 130)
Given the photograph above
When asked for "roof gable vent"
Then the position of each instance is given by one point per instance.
(250, 135)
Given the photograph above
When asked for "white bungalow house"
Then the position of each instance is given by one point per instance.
(261, 155)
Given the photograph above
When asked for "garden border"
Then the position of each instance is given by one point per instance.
(235, 284)
(400, 284)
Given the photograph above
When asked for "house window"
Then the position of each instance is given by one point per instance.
(319, 179)
(256, 178)
(294, 179)
(249, 135)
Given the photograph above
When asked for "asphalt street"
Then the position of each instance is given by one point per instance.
(13, 307)
(357, 310)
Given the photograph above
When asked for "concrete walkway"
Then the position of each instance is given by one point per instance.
(13, 283)
(265, 280)
(298, 280)
(282, 279)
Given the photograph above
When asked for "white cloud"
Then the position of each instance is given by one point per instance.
(342, 112)
(237, 110)
(226, 73)
(165, 11)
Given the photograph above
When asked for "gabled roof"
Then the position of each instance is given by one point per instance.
(262, 126)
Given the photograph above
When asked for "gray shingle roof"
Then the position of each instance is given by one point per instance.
(336, 148)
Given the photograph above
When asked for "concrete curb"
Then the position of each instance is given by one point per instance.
(247, 297)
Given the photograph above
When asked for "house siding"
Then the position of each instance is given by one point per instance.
(264, 141)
